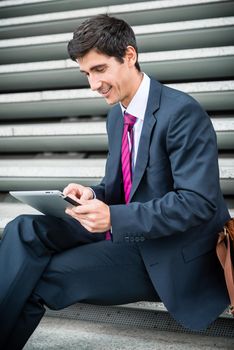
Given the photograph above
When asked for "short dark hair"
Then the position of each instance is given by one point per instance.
(106, 34)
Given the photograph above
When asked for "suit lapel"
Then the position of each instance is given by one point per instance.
(115, 130)
(148, 125)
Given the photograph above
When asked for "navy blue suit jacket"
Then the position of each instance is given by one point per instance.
(176, 206)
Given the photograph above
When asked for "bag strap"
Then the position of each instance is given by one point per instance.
(224, 254)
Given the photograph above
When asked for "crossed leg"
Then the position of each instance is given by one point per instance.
(69, 271)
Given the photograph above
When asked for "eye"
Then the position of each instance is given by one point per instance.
(100, 69)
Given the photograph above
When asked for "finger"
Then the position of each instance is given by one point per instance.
(85, 196)
(89, 218)
(83, 222)
(74, 213)
(90, 225)
(84, 201)
(87, 227)
(70, 212)
(73, 189)
(72, 196)
(67, 189)
(87, 193)
(86, 207)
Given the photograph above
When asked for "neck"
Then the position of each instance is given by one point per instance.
(136, 82)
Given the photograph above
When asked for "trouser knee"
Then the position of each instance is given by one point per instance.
(31, 233)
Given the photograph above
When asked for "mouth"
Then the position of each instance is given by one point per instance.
(105, 92)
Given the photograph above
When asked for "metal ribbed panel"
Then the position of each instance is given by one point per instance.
(136, 14)
(12, 8)
(37, 173)
(180, 41)
(213, 95)
(139, 318)
(82, 136)
(193, 64)
(209, 32)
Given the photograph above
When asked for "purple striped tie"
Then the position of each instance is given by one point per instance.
(126, 154)
(126, 158)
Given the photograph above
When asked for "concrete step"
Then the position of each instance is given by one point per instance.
(224, 127)
(144, 313)
(85, 136)
(136, 14)
(10, 208)
(189, 64)
(140, 318)
(13, 8)
(209, 32)
(78, 136)
(178, 41)
(213, 95)
(45, 173)
(17, 173)
(57, 333)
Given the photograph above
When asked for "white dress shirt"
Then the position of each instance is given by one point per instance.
(137, 108)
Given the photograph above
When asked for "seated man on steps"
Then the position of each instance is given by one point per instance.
(148, 231)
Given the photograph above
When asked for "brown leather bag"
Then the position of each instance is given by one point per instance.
(225, 253)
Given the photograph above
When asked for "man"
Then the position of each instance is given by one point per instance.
(149, 230)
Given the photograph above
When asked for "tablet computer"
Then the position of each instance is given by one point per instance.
(49, 202)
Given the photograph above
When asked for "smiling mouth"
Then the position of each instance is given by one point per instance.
(105, 92)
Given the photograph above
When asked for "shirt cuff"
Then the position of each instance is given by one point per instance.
(94, 194)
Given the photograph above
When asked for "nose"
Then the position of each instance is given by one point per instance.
(94, 83)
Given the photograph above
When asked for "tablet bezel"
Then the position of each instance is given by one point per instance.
(48, 202)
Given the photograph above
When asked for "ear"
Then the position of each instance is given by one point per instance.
(130, 56)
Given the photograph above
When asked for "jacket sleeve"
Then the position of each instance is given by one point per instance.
(100, 188)
(192, 151)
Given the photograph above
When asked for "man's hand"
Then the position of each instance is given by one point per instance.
(78, 191)
(93, 214)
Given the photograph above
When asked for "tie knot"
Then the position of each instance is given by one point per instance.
(129, 120)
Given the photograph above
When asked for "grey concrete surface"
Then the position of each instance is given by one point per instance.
(173, 65)
(64, 334)
(188, 34)
(212, 95)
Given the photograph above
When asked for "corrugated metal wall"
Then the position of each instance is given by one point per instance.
(52, 126)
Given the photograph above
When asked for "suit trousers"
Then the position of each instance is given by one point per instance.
(56, 262)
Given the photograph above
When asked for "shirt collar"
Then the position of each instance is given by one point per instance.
(138, 104)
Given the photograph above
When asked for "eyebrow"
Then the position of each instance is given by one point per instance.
(94, 67)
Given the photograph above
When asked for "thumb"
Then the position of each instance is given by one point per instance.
(87, 194)
(83, 200)
(85, 197)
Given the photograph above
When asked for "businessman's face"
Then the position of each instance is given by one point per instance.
(115, 81)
